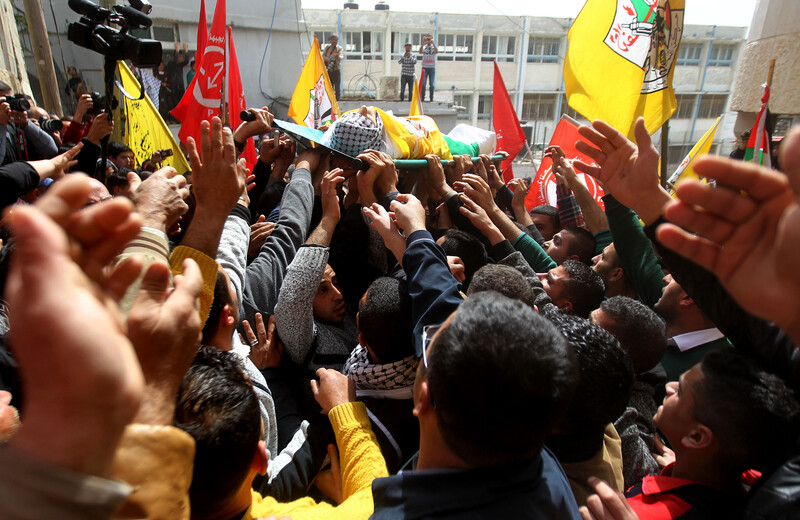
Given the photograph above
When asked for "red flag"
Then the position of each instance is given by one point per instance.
(203, 97)
(202, 38)
(236, 101)
(510, 137)
(202, 34)
(543, 187)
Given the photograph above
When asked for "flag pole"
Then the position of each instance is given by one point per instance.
(223, 114)
(664, 152)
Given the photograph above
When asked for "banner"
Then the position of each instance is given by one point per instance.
(203, 98)
(510, 137)
(621, 59)
(236, 101)
(543, 186)
(145, 131)
(313, 103)
(686, 168)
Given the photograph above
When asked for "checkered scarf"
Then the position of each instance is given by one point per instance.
(354, 133)
(389, 376)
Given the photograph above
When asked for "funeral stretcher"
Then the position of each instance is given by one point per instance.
(406, 139)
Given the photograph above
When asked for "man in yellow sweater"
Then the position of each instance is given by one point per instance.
(218, 408)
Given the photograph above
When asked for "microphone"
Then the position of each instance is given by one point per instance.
(133, 16)
(247, 116)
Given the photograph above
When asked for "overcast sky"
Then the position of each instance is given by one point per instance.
(705, 12)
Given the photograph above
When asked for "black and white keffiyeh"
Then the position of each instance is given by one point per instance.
(353, 133)
(389, 376)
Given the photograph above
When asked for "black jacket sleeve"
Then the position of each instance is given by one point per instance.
(16, 179)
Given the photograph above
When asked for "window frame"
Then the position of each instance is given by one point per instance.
(543, 42)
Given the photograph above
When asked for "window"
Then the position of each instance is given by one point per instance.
(363, 45)
(463, 100)
(690, 54)
(712, 106)
(162, 33)
(399, 40)
(165, 33)
(721, 56)
(500, 48)
(454, 47)
(484, 106)
(676, 154)
(685, 108)
(324, 37)
(543, 50)
(538, 107)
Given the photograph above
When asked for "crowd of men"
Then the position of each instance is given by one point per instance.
(309, 341)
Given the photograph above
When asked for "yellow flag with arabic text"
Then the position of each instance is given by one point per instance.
(313, 103)
(145, 130)
(621, 59)
(685, 169)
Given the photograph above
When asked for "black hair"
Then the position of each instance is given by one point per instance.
(606, 375)
(500, 376)
(117, 179)
(222, 297)
(217, 406)
(752, 413)
(384, 318)
(582, 243)
(550, 211)
(638, 329)
(504, 279)
(468, 248)
(115, 148)
(585, 288)
(4, 86)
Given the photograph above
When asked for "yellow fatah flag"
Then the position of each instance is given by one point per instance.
(416, 104)
(621, 59)
(145, 130)
(686, 169)
(313, 103)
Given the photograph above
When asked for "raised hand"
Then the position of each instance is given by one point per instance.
(164, 327)
(606, 503)
(329, 195)
(56, 167)
(746, 231)
(478, 190)
(379, 179)
(408, 213)
(102, 126)
(266, 350)
(626, 171)
(161, 198)
(381, 221)
(259, 126)
(79, 371)
(435, 177)
(333, 389)
(260, 230)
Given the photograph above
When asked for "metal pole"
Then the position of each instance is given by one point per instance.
(43, 56)
(664, 153)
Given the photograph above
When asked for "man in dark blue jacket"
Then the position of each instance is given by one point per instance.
(492, 379)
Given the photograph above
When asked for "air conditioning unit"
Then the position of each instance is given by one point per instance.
(381, 6)
(351, 5)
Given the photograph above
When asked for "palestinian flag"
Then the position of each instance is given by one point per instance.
(758, 146)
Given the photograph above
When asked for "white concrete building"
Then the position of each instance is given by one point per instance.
(530, 53)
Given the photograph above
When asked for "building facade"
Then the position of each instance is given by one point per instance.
(530, 54)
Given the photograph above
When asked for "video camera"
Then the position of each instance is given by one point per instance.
(91, 33)
(18, 102)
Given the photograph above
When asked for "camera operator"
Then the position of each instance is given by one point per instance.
(20, 140)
